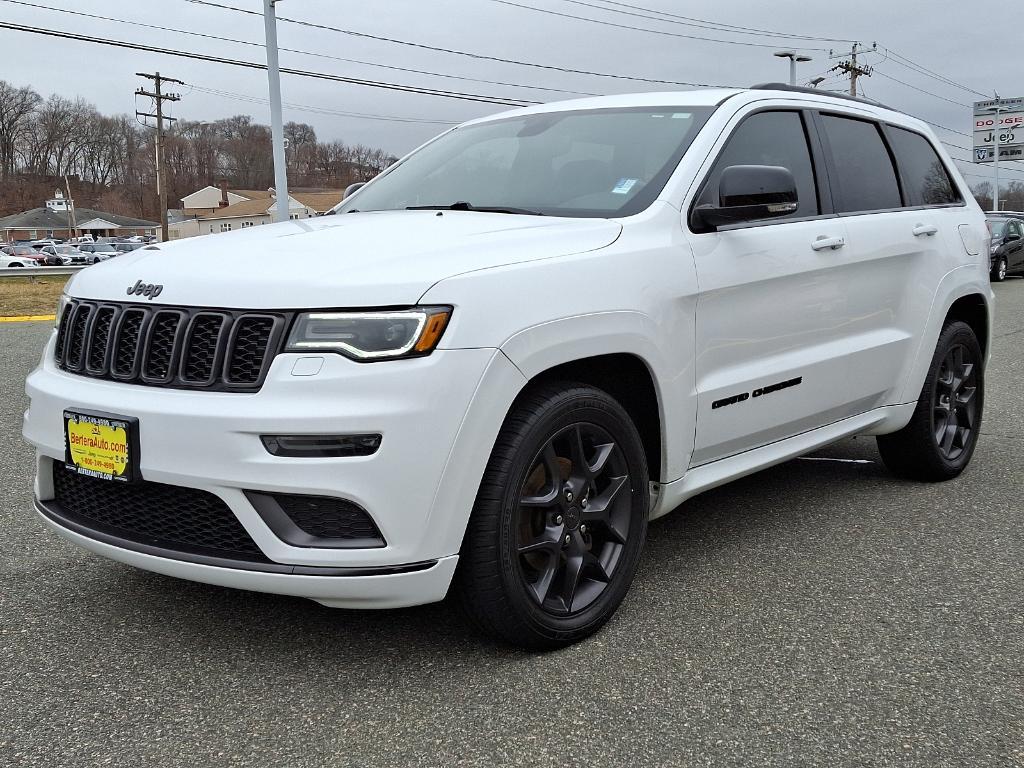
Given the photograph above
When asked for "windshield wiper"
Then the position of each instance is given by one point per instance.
(462, 205)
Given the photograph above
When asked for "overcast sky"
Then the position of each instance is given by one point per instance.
(953, 39)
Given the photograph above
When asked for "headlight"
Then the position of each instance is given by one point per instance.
(368, 336)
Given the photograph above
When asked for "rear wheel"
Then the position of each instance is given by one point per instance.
(999, 270)
(941, 437)
(560, 519)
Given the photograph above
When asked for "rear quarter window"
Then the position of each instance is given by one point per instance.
(925, 176)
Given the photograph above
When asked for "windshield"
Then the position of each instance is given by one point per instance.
(592, 163)
(66, 249)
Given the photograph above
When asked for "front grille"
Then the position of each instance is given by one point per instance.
(180, 347)
(165, 516)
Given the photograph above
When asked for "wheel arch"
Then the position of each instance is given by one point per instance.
(628, 379)
(973, 310)
(616, 351)
(957, 297)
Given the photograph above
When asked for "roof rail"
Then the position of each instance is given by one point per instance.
(816, 92)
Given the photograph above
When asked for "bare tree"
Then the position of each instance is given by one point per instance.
(17, 107)
(110, 159)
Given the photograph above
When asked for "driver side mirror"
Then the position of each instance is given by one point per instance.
(749, 193)
(351, 189)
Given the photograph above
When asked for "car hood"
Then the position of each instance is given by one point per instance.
(383, 258)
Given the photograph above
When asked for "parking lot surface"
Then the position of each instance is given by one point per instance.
(818, 613)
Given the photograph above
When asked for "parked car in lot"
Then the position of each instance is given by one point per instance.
(39, 244)
(7, 260)
(518, 345)
(99, 251)
(25, 252)
(68, 255)
(1007, 249)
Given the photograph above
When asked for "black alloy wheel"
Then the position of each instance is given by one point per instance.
(955, 405)
(574, 512)
(560, 519)
(940, 438)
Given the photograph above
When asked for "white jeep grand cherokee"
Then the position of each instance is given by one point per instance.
(516, 346)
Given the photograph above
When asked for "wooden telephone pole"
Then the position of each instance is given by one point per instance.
(851, 68)
(159, 97)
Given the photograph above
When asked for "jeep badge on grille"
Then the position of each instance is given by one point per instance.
(149, 290)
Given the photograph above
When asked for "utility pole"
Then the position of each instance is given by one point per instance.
(851, 68)
(159, 97)
(276, 121)
(72, 219)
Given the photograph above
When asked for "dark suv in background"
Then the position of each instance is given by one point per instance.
(1007, 254)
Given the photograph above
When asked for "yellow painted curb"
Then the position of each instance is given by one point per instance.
(27, 318)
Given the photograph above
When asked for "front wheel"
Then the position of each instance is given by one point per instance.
(941, 437)
(560, 519)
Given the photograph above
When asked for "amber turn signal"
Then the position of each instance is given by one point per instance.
(432, 331)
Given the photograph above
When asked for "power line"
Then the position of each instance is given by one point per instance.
(662, 32)
(915, 67)
(320, 110)
(293, 50)
(253, 65)
(922, 90)
(457, 52)
(691, 21)
(718, 26)
(942, 127)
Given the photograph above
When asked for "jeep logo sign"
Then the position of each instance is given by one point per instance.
(149, 290)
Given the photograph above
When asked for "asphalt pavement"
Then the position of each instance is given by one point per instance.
(821, 613)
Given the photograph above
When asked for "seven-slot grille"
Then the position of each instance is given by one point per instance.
(179, 347)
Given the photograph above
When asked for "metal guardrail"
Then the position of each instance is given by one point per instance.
(37, 271)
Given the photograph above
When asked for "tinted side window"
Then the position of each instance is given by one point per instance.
(924, 175)
(866, 177)
(769, 138)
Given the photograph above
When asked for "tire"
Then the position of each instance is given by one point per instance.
(998, 270)
(533, 526)
(939, 441)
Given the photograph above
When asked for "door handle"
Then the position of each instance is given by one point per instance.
(822, 242)
(925, 229)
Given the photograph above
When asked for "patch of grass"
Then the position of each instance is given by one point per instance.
(30, 295)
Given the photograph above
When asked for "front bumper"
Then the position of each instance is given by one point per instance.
(438, 416)
(337, 590)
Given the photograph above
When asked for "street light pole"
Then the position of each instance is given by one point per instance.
(995, 160)
(793, 57)
(276, 121)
